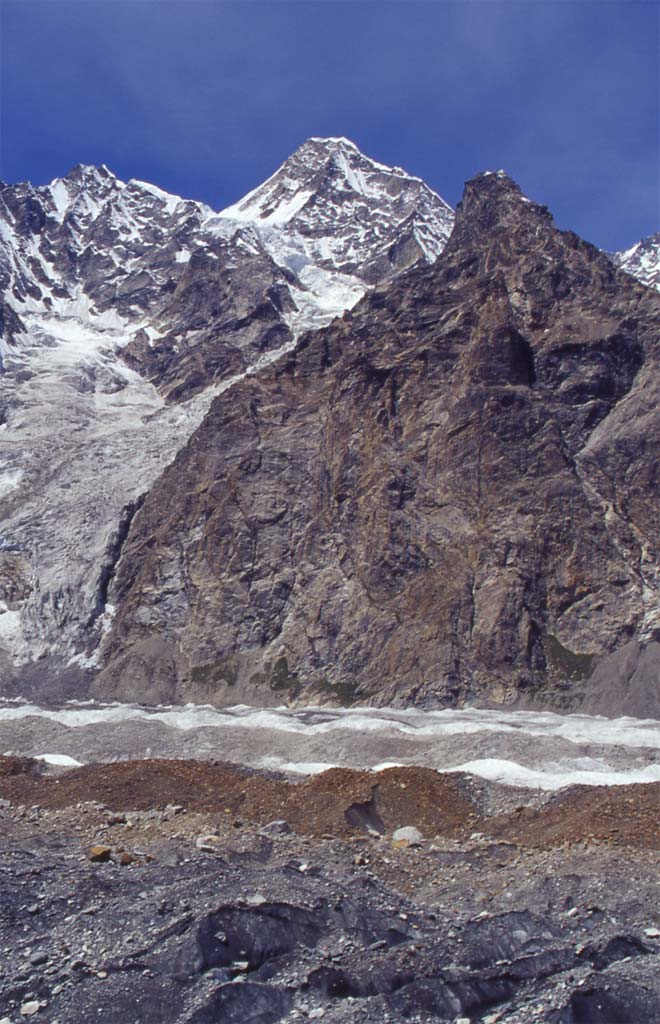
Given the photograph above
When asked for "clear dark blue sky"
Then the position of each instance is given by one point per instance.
(206, 98)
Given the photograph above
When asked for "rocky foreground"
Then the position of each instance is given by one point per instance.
(176, 891)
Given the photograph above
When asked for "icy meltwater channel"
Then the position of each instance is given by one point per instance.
(539, 750)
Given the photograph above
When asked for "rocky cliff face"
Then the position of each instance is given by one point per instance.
(450, 494)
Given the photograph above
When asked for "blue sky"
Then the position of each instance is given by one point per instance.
(206, 98)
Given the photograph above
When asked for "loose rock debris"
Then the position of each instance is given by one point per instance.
(248, 898)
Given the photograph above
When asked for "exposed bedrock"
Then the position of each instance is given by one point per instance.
(449, 494)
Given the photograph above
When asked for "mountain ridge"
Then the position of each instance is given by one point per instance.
(130, 346)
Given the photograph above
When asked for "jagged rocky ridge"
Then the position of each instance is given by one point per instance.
(186, 282)
(125, 311)
(450, 494)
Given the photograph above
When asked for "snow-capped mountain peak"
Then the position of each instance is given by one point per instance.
(642, 260)
(346, 207)
(319, 167)
(332, 208)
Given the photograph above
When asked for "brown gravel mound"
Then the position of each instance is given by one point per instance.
(415, 796)
(622, 815)
(341, 800)
(19, 766)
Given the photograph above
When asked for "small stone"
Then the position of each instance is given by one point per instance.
(40, 957)
(30, 1008)
(126, 858)
(407, 836)
(275, 828)
(99, 854)
(33, 909)
(116, 819)
(256, 899)
(317, 1013)
(207, 844)
(652, 933)
(573, 912)
(101, 974)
